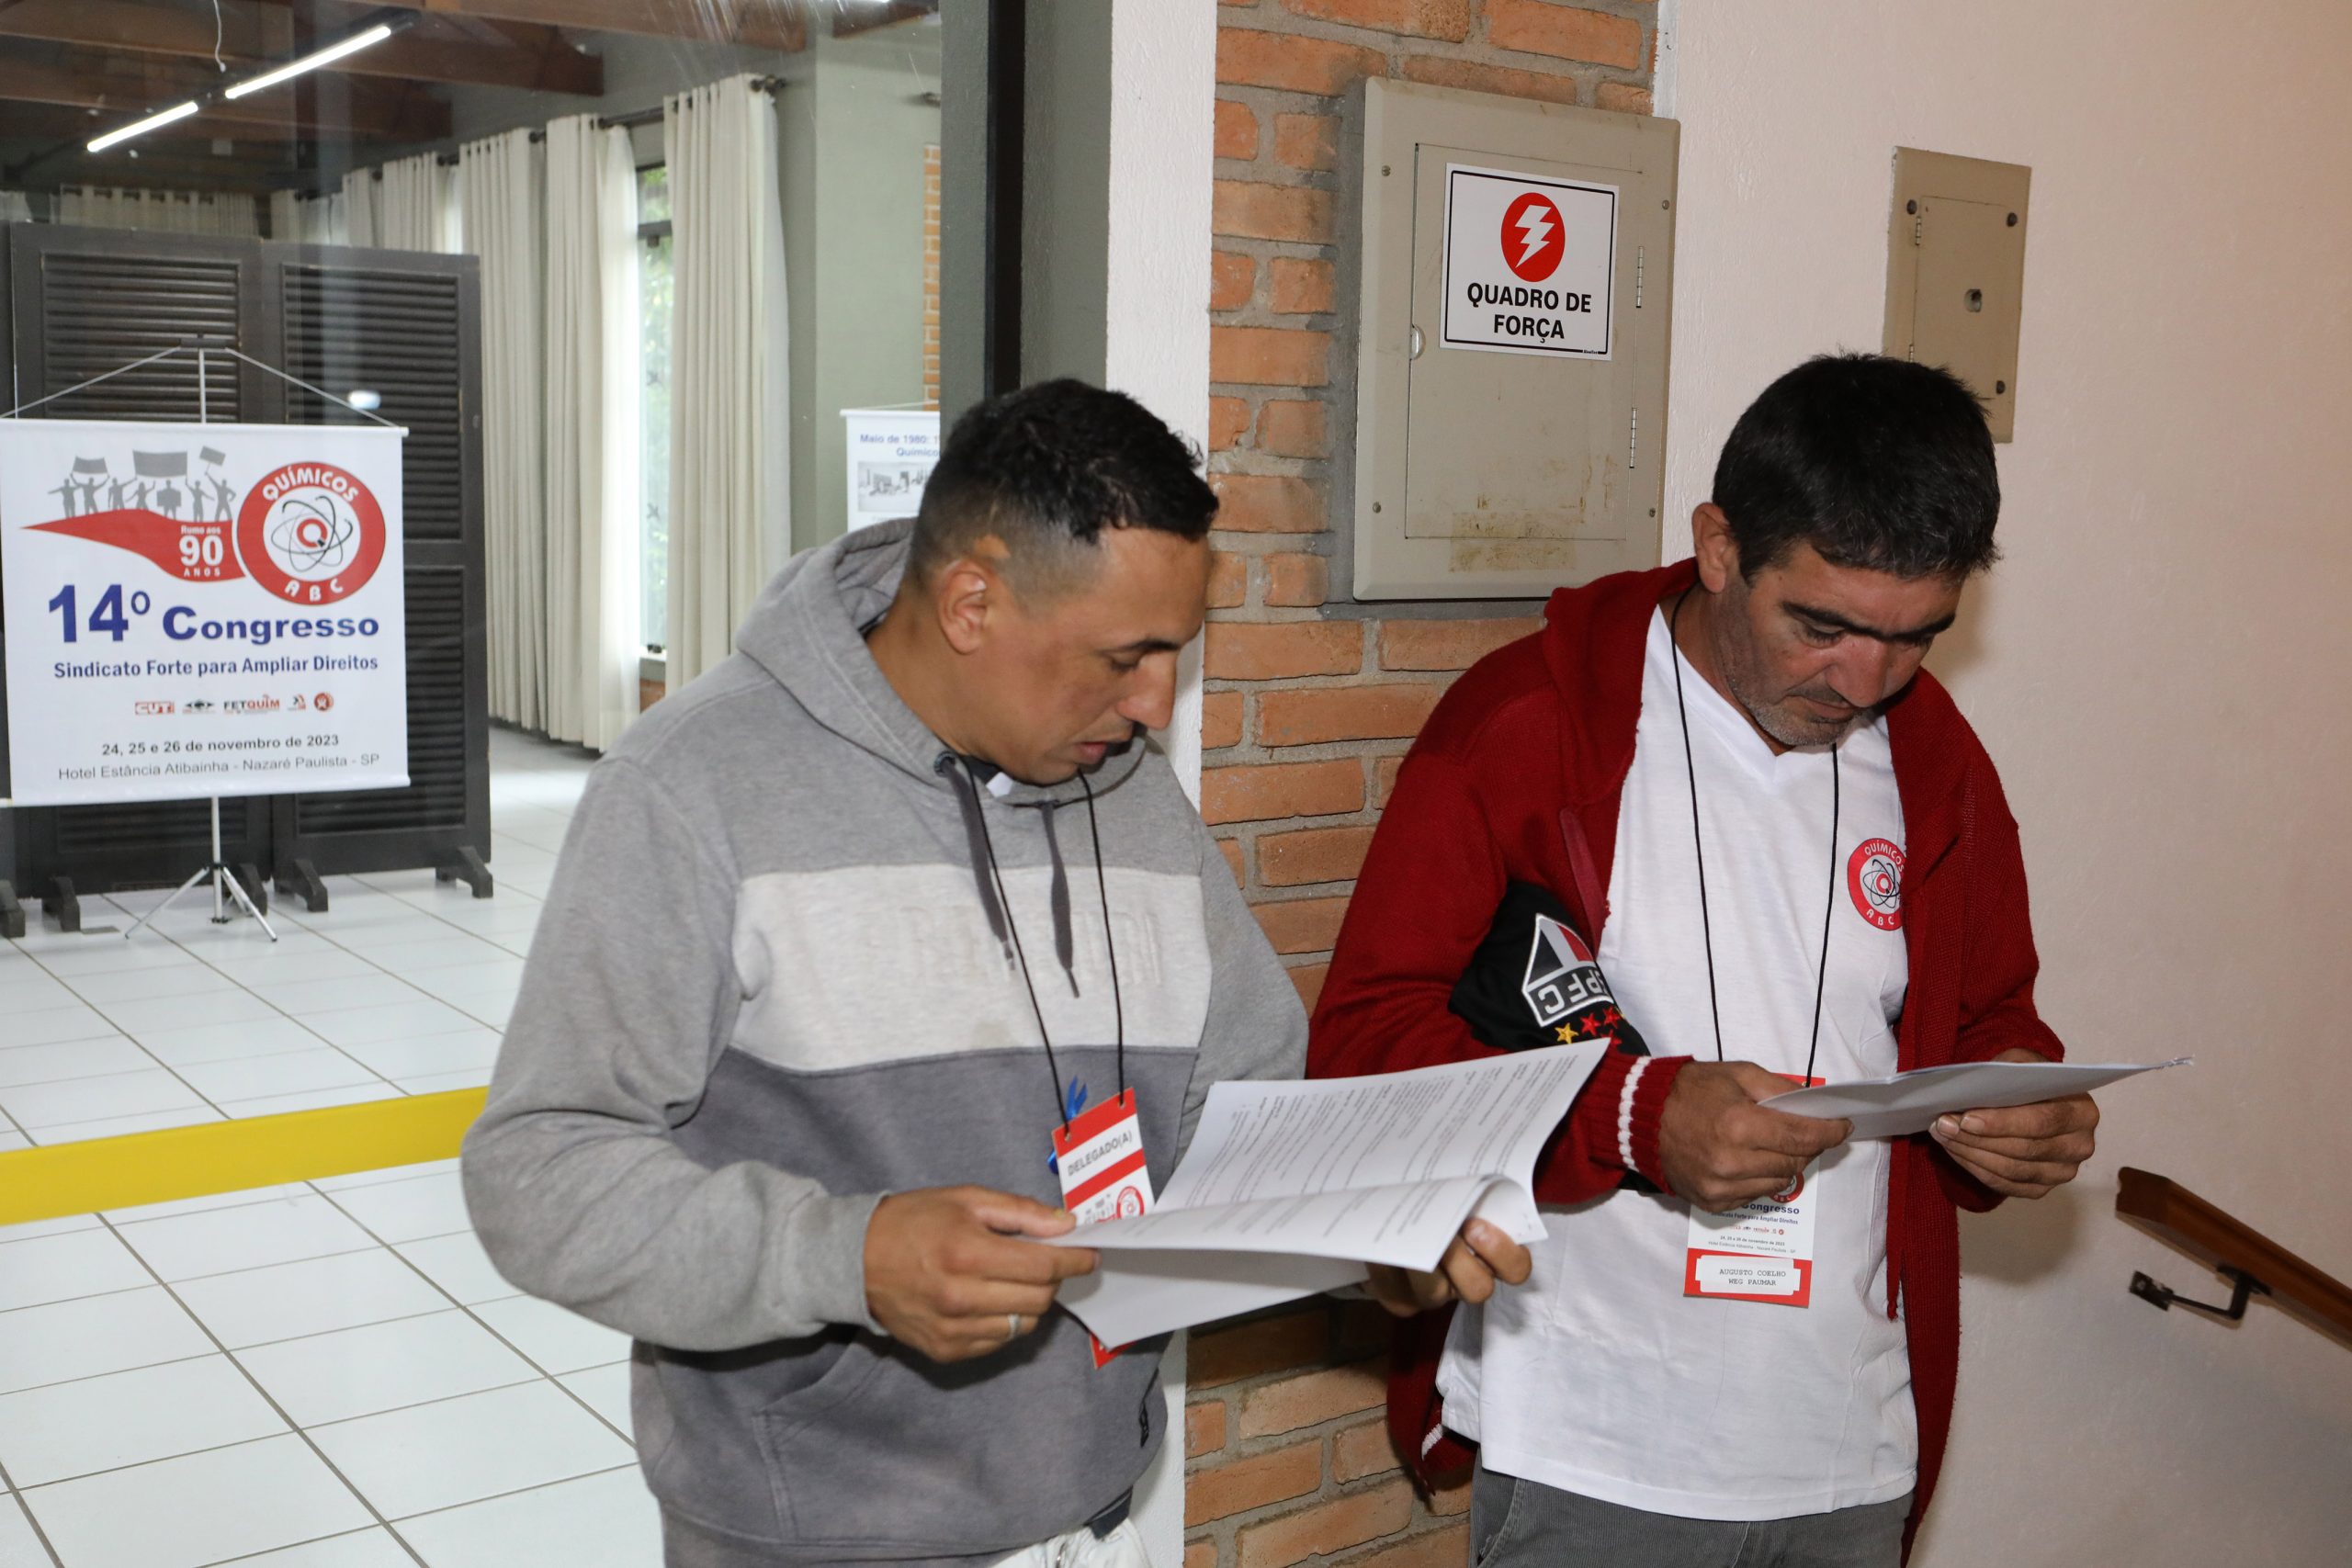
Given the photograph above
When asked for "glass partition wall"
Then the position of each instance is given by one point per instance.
(652, 298)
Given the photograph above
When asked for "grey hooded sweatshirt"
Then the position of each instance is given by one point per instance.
(773, 982)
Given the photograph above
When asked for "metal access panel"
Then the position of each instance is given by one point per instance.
(1516, 277)
(1955, 272)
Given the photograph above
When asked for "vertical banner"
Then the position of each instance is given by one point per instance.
(891, 454)
(201, 609)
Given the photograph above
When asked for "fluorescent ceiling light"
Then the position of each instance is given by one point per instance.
(294, 68)
(124, 133)
(286, 73)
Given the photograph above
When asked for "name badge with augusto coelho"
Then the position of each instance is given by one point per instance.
(1760, 1251)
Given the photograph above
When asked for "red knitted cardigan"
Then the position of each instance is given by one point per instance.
(1516, 777)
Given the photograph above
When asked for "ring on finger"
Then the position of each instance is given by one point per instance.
(1011, 1327)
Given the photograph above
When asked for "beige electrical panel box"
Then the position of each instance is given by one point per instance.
(1510, 399)
(1955, 272)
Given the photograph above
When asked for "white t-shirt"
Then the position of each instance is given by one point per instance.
(1608, 1382)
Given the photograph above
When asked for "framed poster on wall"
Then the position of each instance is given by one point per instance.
(891, 454)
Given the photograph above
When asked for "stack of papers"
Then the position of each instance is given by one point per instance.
(1289, 1189)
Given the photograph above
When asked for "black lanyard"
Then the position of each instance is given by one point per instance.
(1063, 1110)
(1698, 851)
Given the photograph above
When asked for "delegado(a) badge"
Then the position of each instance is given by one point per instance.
(1874, 881)
(311, 534)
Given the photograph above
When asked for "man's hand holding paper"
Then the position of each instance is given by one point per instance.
(1732, 1131)
(2021, 1151)
(950, 1271)
(1480, 1257)
(1722, 1148)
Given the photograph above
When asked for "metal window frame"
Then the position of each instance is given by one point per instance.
(1007, 115)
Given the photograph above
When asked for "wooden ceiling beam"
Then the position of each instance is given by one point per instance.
(122, 90)
(870, 15)
(781, 25)
(55, 123)
(255, 36)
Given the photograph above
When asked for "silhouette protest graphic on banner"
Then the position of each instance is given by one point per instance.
(224, 494)
(142, 512)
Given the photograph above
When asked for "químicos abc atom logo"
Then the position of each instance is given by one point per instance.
(311, 534)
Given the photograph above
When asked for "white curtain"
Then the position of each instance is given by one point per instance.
(359, 188)
(504, 180)
(14, 207)
(161, 211)
(594, 639)
(417, 205)
(308, 220)
(728, 514)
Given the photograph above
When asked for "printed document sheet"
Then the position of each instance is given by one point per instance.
(1910, 1102)
(1289, 1189)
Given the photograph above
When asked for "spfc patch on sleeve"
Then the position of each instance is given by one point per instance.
(1563, 981)
(1534, 980)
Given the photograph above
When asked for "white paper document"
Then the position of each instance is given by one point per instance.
(1289, 1189)
(1910, 1102)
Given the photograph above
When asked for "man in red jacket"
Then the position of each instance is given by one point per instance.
(1718, 813)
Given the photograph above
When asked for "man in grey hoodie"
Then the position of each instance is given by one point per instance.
(843, 932)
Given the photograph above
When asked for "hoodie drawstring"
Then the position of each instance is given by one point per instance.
(1057, 897)
(976, 844)
(1109, 943)
(989, 879)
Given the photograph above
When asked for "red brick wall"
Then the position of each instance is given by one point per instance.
(1305, 714)
(1287, 1450)
(930, 278)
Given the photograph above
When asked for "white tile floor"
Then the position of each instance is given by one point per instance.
(323, 1375)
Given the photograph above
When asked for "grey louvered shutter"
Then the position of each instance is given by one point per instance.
(84, 301)
(406, 326)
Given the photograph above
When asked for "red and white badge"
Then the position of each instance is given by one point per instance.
(1099, 1155)
(1875, 882)
(310, 533)
(1761, 1251)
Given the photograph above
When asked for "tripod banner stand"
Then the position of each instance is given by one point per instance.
(201, 610)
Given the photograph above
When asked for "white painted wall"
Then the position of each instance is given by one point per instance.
(1163, 89)
(2162, 666)
(1156, 347)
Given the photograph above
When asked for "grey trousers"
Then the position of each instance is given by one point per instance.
(1520, 1524)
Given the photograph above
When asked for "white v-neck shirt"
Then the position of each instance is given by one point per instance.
(1599, 1376)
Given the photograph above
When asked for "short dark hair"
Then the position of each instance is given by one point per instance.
(1045, 469)
(1874, 462)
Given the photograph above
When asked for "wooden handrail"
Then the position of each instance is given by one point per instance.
(2173, 1215)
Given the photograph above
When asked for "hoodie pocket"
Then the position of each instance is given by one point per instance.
(703, 1422)
(902, 1456)
(791, 1425)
